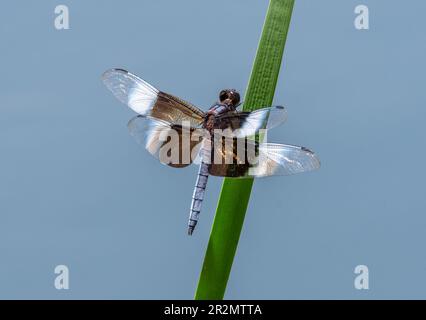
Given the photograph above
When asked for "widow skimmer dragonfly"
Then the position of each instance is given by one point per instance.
(178, 134)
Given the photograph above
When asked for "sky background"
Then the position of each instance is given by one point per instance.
(76, 189)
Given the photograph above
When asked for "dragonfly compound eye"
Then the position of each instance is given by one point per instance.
(223, 95)
(234, 96)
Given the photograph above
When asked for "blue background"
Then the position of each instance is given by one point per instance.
(75, 189)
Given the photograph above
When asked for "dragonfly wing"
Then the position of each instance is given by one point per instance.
(282, 159)
(244, 124)
(146, 100)
(138, 94)
(244, 158)
(173, 145)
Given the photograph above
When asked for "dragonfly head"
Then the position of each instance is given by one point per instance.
(230, 97)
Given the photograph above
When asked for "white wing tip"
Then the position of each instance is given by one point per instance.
(108, 72)
(138, 94)
(315, 160)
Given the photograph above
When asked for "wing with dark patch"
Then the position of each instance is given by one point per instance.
(175, 110)
(244, 124)
(243, 158)
(146, 100)
(171, 144)
(231, 157)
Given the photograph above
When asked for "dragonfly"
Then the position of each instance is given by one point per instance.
(232, 153)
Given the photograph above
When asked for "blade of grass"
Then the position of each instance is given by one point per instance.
(235, 193)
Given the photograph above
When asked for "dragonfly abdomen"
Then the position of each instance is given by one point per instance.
(198, 196)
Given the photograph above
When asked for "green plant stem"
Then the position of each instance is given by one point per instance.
(235, 193)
